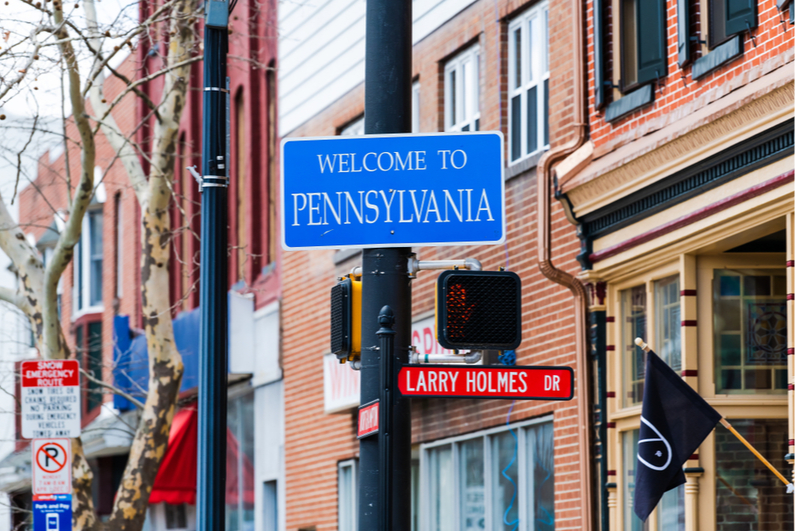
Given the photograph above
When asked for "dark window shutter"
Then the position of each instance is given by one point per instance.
(683, 30)
(598, 61)
(740, 15)
(651, 40)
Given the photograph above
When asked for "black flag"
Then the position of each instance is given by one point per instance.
(674, 422)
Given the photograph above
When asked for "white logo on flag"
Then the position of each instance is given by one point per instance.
(657, 453)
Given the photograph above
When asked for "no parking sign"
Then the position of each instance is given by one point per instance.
(52, 466)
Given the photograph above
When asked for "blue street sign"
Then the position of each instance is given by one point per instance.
(393, 190)
(52, 512)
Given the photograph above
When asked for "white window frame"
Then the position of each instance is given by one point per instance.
(485, 435)
(353, 503)
(534, 71)
(466, 112)
(85, 270)
(120, 245)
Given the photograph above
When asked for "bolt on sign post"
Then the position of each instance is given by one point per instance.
(213, 355)
(50, 398)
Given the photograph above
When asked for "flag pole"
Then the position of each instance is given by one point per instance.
(753, 451)
(642, 344)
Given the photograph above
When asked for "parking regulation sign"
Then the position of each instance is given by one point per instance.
(50, 399)
(393, 190)
(52, 512)
(52, 466)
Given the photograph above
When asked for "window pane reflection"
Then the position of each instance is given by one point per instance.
(473, 502)
(633, 324)
(240, 464)
(750, 312)
(504, 475)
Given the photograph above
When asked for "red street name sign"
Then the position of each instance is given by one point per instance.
(368, 419)
(487, 381)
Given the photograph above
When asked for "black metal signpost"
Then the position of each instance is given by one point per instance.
(213, 356)
(385, 278)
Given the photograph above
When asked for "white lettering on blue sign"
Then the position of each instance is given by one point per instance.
(393, 190)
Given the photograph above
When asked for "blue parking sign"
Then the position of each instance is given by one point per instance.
(392, 190)
(52, 512)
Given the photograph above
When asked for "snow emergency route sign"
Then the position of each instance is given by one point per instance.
(487, 381)
(52, 466)
(50, 399)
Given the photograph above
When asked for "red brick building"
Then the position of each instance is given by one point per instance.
(682, 195)
(100, 293)
(459, 446)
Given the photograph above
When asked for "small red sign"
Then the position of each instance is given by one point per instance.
(368, 419)
(487, 381)
(50, 373)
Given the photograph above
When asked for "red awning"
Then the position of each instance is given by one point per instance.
(176, 480)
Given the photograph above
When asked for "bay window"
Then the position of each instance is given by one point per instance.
(750, 328)
(528, 82)
(633, 324)
(665, 336)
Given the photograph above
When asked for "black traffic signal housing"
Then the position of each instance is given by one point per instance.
(346, 319)
(479, 310)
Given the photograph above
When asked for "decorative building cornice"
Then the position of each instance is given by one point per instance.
(640, 171)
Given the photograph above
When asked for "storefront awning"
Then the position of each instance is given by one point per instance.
(176, 480)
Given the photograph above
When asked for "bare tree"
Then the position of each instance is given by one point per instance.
(49, 37)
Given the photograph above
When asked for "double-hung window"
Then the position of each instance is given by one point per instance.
(88, 263)
(667, 339)
(347, 495)
(728, 18)
(462, 91)
(643, 42)
(528, 82)
(501, 479)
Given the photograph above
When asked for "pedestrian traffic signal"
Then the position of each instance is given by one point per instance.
(346, 319)
(479, 310)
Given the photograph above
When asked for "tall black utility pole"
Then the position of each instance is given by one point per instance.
(385, 280)
(213, 356)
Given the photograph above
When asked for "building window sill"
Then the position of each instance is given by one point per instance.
(726, 52)
(524, 165)
(629, 103)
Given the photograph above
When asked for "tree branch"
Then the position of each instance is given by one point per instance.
(113, 389)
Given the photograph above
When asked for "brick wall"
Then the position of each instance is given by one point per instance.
(316, 442)
(679, 94)
(750, 497)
